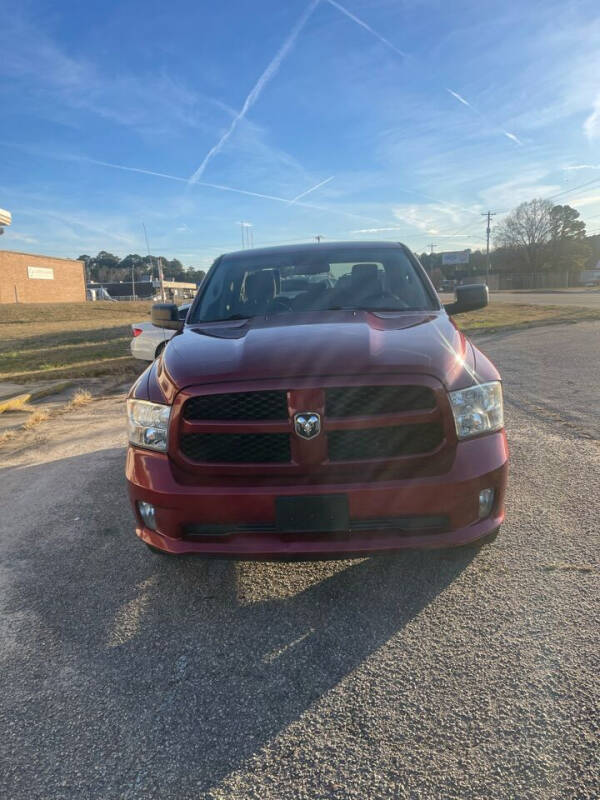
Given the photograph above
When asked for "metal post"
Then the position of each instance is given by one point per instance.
(489, 215)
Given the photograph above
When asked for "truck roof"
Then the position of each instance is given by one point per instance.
(311, 247)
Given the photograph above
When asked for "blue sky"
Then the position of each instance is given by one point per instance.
(367, 119)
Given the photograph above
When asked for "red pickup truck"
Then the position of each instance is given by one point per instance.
(317, 401)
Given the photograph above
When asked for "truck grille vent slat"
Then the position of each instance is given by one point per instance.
(232, 448)
(407, 524)
(268, 405)
(390, 442)
(354, 401)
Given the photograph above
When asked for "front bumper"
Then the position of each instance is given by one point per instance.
(479, 464)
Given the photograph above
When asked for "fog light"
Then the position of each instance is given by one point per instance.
(148, 514)
(486, 501)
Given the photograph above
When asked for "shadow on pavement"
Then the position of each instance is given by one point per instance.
(156, 674)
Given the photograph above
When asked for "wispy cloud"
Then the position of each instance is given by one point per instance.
(378, 230)
(460, 98)
(14, 236)
(59, 85)
(76, 222)
(312, 189)
(582, 166)
(368, 28)
(258, 87)
(591, 126)
(512, 136)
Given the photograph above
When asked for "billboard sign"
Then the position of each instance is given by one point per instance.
(461, 257)
(40, 273)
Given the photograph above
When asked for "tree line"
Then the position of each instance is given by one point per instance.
(108, 268)
(536, 236)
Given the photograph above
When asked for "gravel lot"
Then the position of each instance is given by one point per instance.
(434, 675)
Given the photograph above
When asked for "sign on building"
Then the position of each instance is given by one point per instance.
(40, 273)
(461, 257)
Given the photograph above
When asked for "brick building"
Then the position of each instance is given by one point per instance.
(27, 278)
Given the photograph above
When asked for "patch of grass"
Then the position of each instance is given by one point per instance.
(508, 316)
(81, 398)
(34, 419)
(47, 340)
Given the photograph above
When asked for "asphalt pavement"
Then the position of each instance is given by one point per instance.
(424, 675)
(580, 298)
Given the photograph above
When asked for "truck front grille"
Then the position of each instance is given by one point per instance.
(269, 405)
(256, 427)
(391, 442)
(236, 448)
(359, 401)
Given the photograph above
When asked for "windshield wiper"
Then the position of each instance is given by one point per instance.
(365, 308)
(223, 319)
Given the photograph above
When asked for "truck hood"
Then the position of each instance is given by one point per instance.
(334, 343)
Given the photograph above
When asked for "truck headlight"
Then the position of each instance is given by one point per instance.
(478, 409)
(148, 424)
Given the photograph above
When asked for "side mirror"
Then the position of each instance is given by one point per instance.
(166, 315)
(469, 298)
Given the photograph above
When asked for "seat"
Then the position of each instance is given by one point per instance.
(365, 280)
(260, 290)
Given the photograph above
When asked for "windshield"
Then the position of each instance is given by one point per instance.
(298, 281)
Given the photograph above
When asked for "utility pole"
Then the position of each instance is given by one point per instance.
(161, 280)
(160, 271)
(432, 247)
(489, 215)
(247, 236)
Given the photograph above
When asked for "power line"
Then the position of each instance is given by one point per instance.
(574, 188)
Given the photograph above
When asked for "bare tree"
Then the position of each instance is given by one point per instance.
(526, 231)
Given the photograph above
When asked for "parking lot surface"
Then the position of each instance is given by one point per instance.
(424, 675)
(581, 298)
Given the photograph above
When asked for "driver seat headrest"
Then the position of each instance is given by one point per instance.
(260, 286)
(365, 275)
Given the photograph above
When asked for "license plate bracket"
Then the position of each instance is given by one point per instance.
(312, 514)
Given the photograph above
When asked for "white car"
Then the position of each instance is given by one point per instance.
(148, 340)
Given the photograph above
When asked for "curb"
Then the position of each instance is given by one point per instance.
(17, 401)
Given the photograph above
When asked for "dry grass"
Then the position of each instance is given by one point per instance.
(81, 398)
(507, 316)
(42, 340)
(36, 418)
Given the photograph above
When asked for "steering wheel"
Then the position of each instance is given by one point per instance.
(280, 304)
(383, 295)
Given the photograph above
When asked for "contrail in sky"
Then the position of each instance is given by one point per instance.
(462, 100)
(260, 84)
(512, 136)
(220, 186)
(364, 25)
(312, 189)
